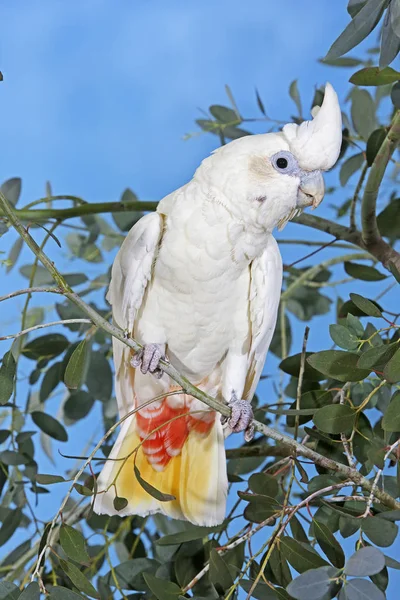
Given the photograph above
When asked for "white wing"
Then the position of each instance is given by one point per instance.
(130, 274)
(265, 292)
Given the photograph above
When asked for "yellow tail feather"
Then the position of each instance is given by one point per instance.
(196, 478)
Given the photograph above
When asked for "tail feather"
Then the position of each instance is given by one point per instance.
(196, 477)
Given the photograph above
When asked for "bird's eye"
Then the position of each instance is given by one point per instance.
(285, 163)
(282, 163)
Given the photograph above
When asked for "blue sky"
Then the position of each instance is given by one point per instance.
(97, 95)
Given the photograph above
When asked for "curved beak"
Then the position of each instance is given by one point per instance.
(311, 189)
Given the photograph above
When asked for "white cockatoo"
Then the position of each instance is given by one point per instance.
(199, 282)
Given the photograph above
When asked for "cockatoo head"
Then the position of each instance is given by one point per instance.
(265, 180)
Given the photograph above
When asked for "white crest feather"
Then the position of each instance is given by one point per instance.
(316, 144)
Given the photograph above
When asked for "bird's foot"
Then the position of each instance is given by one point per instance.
(148, 359)
(241, 418)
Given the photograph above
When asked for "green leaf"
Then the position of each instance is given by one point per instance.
(9, 525)
(219, 572)
(394, 270)
(7, 376)
(50, 381)
(377, 356)
(312, 585)
(161, 588)
(73, 544)
(335, 419)
(380, 532)
(259, 507)
(9, 457)
(366, 306)
(338, 364)
(12, 189)
(395, 95)
(120, 503)
(350, 166)
(264, 484)
(45, 479)
(77, 406)
(343, 337)
(320, 482)
(355, 325)
(391, 418)
(14, 253)
(45, 346)
(363, 22)
(78, 579)
(360, 589)
(329, 545)
(366, 561)
(375, 76)
(9, 591)
(389, 220)
(99, 377)
(391, 372)
(129, 573)
(392, 563)
(295, 96)
(363, 112)
(83, 490)
(49, 425)
(291, 365)
(374, 143)
(59, 592)
(261, 592)
(260, 104)
(125, 220)
(297, 529)
(276, 342)
(363, 272)
(390, 43)
(223, 114)
(345, 61)
(300, 556)
(192, 532)
(151, 490)
(31, 592)
(75, 372)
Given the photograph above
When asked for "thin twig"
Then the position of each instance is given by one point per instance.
(300, 380)
(30, 290)
(322, 247)
(376, 480)
(42, 326)
(345, 442)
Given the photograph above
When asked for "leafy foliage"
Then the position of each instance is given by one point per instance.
(342, 402)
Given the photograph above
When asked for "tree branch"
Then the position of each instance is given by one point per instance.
(296, 448)
(370, 231)
(95, 208)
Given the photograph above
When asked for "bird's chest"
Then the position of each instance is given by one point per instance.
(200, 290)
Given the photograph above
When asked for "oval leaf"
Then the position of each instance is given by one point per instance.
(335, 419)
(73, 544)
(76, 367)
(338, 364)
(391, 418)
(375, 76)
(366, 561)
(50, 426)
(363, 272)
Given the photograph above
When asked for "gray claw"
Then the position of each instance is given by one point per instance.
(241, 418)
(148, 360)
